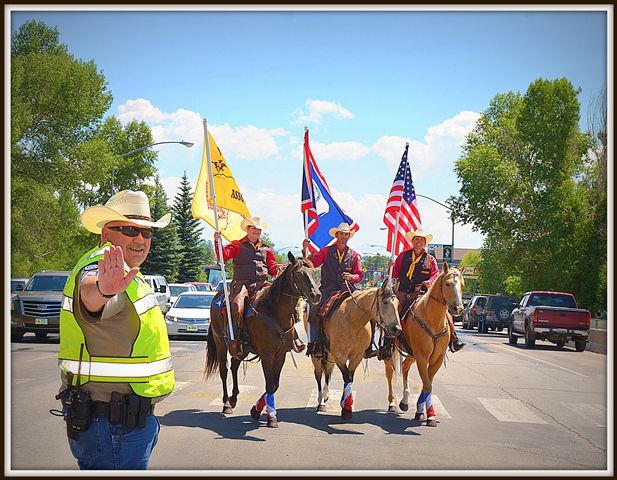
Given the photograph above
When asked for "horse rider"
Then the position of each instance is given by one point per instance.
(416, 270)
(253, 262)
(341, 268)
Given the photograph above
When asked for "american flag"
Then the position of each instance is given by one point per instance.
(402, 198)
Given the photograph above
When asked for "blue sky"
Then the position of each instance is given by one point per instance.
(363, 82)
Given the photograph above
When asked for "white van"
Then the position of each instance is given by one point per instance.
(160, 287)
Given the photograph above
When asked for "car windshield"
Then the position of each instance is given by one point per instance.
(202, 288)
(552, 300)
(497, 303)
(178, 289)
(42, 283)
(194, 301)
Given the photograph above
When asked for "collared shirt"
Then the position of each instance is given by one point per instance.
(356, 270)
(233, 249)
(434, 271)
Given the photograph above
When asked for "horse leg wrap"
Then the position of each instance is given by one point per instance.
(270, 408)
(347, 398)
(423, 400)
(430, 413)
(261, 403)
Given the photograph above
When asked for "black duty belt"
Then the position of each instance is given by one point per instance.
(102, 409)
(127, 410)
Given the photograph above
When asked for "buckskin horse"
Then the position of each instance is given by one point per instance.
(270, 326)
(426, 331)
(348, 331)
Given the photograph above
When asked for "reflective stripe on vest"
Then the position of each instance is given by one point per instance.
(149, 369)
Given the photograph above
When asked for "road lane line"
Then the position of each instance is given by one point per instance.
(44, 357)
(512, 350)
(509, 410)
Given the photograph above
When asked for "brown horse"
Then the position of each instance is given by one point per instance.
(426, 331)
(349, 334)
(270, 325)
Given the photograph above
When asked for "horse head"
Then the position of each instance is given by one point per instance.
(303, 278)
(452, 284)
(387, 309)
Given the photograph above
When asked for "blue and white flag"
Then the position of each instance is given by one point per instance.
(321, 212)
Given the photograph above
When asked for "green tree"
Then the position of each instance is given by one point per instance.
(57, 103)
(520, 185)
(189, 234)
(164, 257)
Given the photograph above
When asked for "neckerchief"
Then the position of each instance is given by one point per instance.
(414, 261)
(340, 255)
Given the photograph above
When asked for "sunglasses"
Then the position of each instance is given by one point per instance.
(131, 231)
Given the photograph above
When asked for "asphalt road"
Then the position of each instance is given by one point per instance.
(499, 407)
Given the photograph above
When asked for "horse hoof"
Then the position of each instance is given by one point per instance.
(255, 414)
(346, 414)
(418, 416)
(228, 410)
(391, 409)
(233, 402)
(272, 422)
(403, 406)
(431, 423)
(321, 408)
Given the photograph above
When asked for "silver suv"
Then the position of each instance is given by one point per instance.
(36, 308)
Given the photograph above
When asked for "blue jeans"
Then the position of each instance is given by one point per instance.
(105, 446)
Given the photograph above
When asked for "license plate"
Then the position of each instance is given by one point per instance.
(40, 321)
(191, 328)
(560, 330)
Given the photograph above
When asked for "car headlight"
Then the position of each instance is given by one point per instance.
(171, 318)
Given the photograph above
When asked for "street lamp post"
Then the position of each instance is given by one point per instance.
(113, 172)
(449, 209)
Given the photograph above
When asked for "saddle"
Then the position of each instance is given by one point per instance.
(326, 310)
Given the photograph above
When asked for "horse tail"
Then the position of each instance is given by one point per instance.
(212, 360)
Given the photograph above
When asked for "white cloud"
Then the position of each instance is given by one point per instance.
(248, 143)
(339, 150)
(391, 149)
(140, 109)
(171, 186)
(317, 109)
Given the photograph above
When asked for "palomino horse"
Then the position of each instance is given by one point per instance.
(426, 331)
(349, 333)
(270, 326)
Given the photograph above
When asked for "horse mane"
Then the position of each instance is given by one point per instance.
(269, 295)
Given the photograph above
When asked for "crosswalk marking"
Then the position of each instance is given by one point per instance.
(591, 412)
(332, 405)
(510, 410)
(244, 389)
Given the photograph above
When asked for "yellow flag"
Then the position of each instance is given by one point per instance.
(229, 201)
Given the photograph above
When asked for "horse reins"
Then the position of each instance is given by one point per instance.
(369, 314)
(423, 325)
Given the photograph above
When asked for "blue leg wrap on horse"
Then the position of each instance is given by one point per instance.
(270, 408)
(423, 396)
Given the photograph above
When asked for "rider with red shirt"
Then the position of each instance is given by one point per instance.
(341, 268)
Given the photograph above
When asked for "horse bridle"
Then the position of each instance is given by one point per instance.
(378, 320)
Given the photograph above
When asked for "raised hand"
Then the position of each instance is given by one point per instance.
(112, 278)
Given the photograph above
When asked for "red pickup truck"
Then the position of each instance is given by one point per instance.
(552, 316)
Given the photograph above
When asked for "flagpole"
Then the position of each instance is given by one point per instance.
(398, 215)
(216, 227)
(306, 237)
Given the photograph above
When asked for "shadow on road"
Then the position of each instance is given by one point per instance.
(239, 427)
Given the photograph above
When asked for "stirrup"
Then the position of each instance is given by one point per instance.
(298, 345)
(371, 352)
(456, 345)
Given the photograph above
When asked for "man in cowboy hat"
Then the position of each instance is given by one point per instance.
(341, 268)
(416, 270)
(114, 354)
(252, 262)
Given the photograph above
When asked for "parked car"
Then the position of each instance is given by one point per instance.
(552, 316)
(496, 313)
(36, 308)
(17, 285)
(219, 287)
(473, 310)
(190, 314)
(202, 286)
(176, 289)
(459, 318)
(159, 286)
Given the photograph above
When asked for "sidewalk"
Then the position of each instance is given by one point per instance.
(597, 336)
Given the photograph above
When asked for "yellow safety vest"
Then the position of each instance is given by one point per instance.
(149, 369)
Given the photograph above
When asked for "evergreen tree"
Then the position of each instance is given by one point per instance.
(189, 233)
(164, 256)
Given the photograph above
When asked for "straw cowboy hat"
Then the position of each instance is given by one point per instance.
(126, 206)
(420, 233)
(343, 227)
(256, 222)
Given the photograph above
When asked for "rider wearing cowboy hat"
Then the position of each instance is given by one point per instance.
(252, 262)
(340, 268)
(110, 319)
(416, 270)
